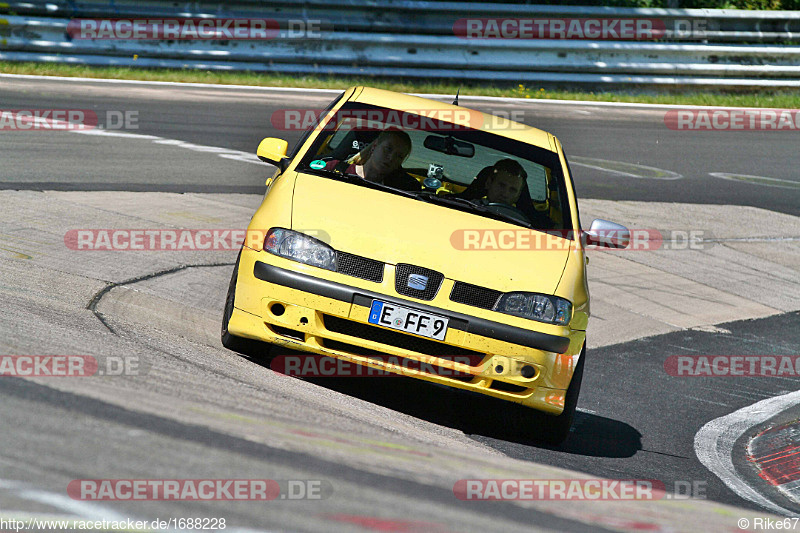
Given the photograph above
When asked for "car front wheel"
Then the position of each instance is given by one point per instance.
(232, 342)
(523, 422)
(557, 430)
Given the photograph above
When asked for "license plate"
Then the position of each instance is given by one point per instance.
(408, 320)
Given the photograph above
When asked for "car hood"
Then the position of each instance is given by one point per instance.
(396, 229)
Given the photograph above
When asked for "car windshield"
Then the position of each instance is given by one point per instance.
(443, 163)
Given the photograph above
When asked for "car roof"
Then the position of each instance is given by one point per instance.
(456, 114)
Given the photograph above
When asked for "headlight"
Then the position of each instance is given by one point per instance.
(301, 248)
(539, 307)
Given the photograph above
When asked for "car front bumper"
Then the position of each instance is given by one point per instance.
(300, 307)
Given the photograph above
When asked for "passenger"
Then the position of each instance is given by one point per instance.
(382, 160)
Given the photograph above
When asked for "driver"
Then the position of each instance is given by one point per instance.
(504, 185)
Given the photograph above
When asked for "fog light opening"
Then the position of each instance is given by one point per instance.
(277, 309)
(528, 371)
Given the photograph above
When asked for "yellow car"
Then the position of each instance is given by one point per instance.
(424, 239)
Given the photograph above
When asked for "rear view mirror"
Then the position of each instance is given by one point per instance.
(272, 150)
(608, 234)
(449, 146)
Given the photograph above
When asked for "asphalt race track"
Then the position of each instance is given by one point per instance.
(380, 454)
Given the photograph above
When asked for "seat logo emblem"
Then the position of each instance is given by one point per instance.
(418, 282)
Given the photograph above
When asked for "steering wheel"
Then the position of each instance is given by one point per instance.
(508, 210)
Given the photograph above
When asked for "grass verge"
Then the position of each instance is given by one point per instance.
(756, 98)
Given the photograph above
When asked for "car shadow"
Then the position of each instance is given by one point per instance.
(477, 415)
(591, 436)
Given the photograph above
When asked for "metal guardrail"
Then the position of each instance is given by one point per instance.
(422, 17)
(414, 39)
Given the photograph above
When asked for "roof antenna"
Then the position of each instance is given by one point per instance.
(455, 102)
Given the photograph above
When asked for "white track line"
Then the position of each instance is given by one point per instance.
(597, 164)
(79, 510)
(226, 153)
(169, 83)
(758, 180)
(339, 91)
(713, 445)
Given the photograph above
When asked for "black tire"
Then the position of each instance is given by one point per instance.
(232, 342)
(557, 427)
(526, 423)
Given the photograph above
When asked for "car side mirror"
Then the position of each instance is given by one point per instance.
(608, 234)
(272, 150)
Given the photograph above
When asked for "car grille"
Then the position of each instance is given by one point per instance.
(359, 267)
(397, 339)
(474, 295)
(401, 281)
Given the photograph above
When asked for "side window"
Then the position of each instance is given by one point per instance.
(537, 182)
(307, 133)
(572, 184)
(349, 139)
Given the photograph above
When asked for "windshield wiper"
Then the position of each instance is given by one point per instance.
(358, 180)
(468, 205)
